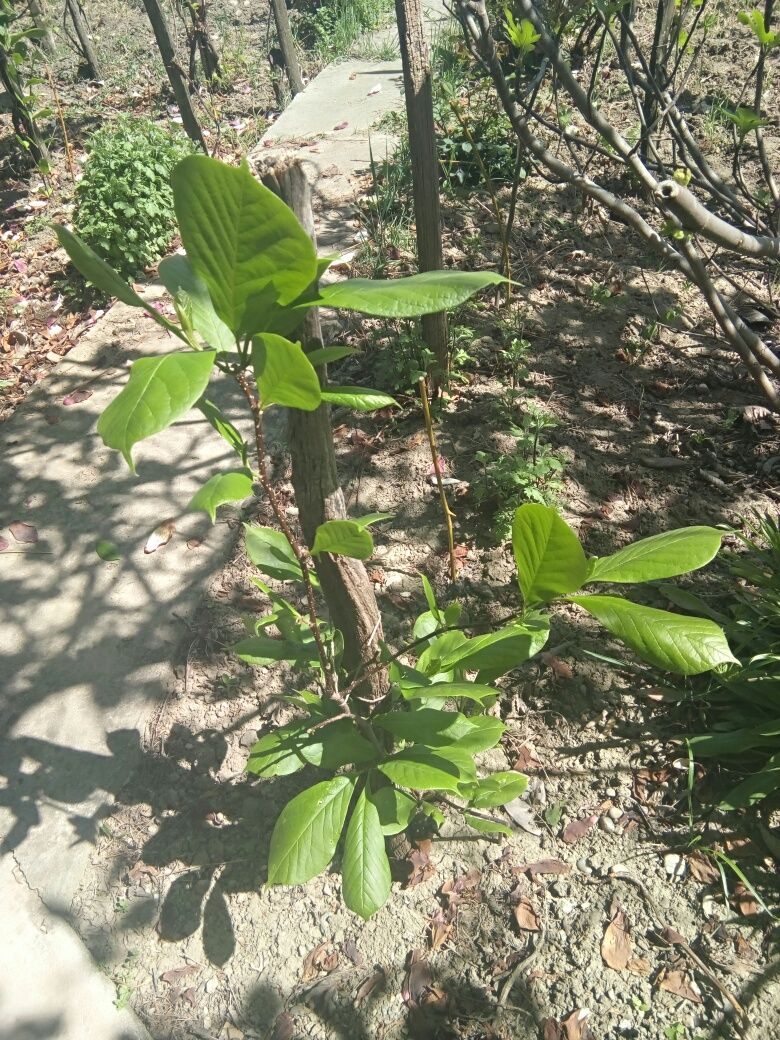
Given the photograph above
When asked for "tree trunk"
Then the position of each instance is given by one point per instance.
(425, 168)
(175, 74)
(38, 15)
(345, 585)
(82, 33)
(287, 45)
(659, 55)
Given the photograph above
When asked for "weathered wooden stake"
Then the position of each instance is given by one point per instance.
(287, 45)
(175, 74)
(82, 34)
(345, 584)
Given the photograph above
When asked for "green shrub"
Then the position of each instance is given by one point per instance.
(124, 203)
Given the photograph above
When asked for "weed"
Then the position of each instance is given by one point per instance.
(124, 204)
(332, 28)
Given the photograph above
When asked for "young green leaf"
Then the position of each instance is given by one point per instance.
(270, 551)
(179, 278)
(484, 826)
(336, 745)
(661, 556)
(307, 832)
(550, 560)
(395, 808)
(496, 653)
(371, 518)
(359, 398)
(222, 488)
(278, 753)
(423, 770)
(756, 787)
(242, 240)
(225, 429)
(160, 390)
(327, 355)
(407, 297)
(108, 551)
(263, 650)
(343, 538)
(436, 728)
(284, 373)
(445, 691)
(365, 869)
(104, 276)
(676, 642)
(497, 789)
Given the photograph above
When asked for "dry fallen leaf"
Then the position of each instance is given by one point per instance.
(76, 397)
(4, 543)
(439, 929)
(703, 869)
(576, 1025)
(341, 126)
(559, 668)
(578, 829)
(616, 946)
(319, 960)
(526, 917)
(374, 90)
(231, 1032)
(543, 866)
(678, 982)
(526, 760)
(373, 983)
(523, 815)
(174, 975)
(23, 532)
(160, 536)
(190, 996)
(284, 1027)
(744, 901)
(350, 950)
(419, 860)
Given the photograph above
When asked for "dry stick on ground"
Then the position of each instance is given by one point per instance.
(475, 22)
(418, 93)
(287, 45)
(63, 127)
(79, 20)
(345, 584)
(175, 74)
(449, 516)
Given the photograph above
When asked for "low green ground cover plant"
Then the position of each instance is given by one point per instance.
(249, 277)
(742, 702)
(332, 27)
(124, 203)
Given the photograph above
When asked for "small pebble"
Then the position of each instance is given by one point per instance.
(583, 866)
(615, 813)
(212, 985)
(611, 792)
(606, 824)
(674, 865)
(710, 906)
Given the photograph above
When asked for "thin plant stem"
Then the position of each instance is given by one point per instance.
(502, 228)
(449, 516)
(331, 685)
(60, 115)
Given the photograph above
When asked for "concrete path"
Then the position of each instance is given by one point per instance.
(87, 647)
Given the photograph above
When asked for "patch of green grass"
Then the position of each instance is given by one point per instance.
(336, 28)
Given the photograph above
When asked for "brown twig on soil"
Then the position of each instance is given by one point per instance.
(449, 516)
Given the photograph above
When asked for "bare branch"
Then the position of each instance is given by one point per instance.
(693, 216)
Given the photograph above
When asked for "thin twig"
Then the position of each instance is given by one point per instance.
(449, 516)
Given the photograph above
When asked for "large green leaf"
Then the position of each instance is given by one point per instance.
(160, 390)
(423, 770)
(675, 642)
(755, 788)
(242, 240)
(496, 653)
(365, 869)
(662, 556)
(735, 741)
(190, 292)
(395, 808)
(106, 278)
(436, 728)
(550, 560)
(284, 374)
(359, 398)
(343, 538)
(497, 789)
(445, 691)
(407, 297)
(327, 355)
(278, 753)
(222, 488)
(307, 832)
(486, 826)
(270, 551)
(336, 745)
(263, 650)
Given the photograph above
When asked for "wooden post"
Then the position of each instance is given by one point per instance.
(175, 74)
(38, 15)
(425, 169)
(82, 33)
(201, 40)
(348, 592)
(287, 45)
